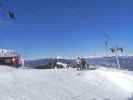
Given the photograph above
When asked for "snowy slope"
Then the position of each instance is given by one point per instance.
(65, 84)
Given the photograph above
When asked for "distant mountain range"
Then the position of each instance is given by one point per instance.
(125, 62)
(38, 62)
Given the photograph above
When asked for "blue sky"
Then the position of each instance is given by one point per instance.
(67, 28)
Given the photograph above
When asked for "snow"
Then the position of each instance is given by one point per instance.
(65, 84)
(121, 79)
(63, 64)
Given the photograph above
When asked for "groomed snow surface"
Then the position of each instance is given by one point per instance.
(65, 84)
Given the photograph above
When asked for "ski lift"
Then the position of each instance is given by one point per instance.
(120, 49)
(11, 15)
(112, 50)
(115, 50)
(7, 13)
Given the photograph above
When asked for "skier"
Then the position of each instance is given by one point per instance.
(82, 64)
(78, 63)
(22, 62)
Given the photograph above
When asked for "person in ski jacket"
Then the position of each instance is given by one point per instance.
(82, 64)
(78, 63)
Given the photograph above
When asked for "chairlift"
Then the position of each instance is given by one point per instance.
(114, 50)
(7, 13)
(11, 14)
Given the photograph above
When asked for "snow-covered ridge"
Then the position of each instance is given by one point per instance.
(65, 84)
